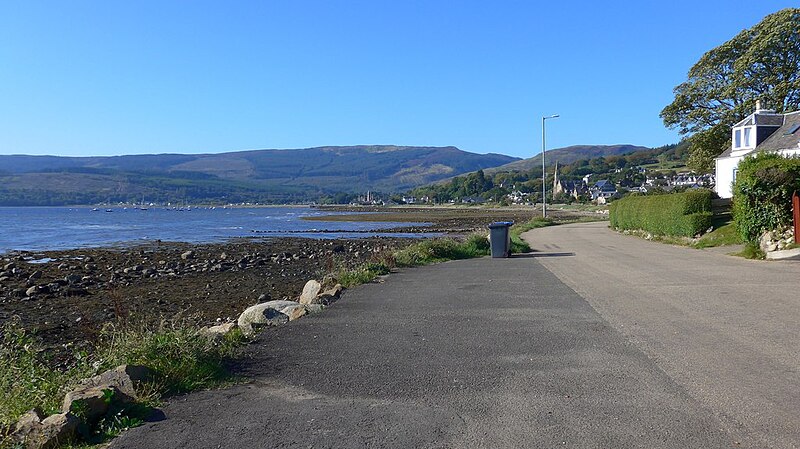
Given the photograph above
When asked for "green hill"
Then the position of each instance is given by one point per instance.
(567, 155)
(261, 175)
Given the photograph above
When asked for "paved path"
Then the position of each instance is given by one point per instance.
(501, 353)
(725, 329)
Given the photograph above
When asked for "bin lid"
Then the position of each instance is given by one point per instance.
(500, 224)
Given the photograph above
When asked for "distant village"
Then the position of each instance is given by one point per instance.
(587, 190)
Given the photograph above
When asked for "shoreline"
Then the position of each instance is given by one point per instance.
(67, 296)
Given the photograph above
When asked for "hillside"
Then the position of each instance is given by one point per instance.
(567, 155)
(261, 175)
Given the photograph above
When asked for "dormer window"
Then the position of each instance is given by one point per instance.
(737, 138)
(747, 137)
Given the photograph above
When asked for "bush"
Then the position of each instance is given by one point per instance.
(762, 194)
(681, 214)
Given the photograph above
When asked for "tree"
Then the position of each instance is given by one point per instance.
(760, 63)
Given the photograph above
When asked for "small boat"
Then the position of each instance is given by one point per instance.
(95, 209)
(109, 210)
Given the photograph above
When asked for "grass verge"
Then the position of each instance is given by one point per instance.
(439, 250)
(182, 356)
(752, 251)
(722, 236)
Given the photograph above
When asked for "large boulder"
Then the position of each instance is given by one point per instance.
(90, 404)
(264, 314)
(310, 292)
(124, 378)
(33, 432)
(329, 296)
(313, 292)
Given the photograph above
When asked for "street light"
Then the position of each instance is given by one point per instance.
(544, 173)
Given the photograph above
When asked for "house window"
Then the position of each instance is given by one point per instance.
(735, 172)
(747, 137)
(737, 138)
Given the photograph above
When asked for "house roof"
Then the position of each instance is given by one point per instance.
(783, 139)
(763, 118)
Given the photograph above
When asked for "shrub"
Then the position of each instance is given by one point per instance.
(762, 194)
(681, 214)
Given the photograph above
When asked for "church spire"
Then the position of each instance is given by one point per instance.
(555, 179)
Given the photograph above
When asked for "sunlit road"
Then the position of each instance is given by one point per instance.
(725, 329)
(660, 347)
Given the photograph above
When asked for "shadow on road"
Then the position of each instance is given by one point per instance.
(533, 255)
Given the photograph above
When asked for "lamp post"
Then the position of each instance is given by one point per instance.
(544, 173)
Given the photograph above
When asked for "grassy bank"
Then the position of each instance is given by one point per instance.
(182, 357)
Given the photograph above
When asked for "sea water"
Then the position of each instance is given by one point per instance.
(50, 228)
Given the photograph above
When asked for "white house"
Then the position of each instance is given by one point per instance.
(763, 130)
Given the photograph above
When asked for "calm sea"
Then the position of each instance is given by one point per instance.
(47, 228)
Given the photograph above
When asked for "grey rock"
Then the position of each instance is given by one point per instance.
(73, 279)
(187, 255)
(295, 311)
(36, 433)
(35, 275)
(264, 314)
(310, 292)
(31, 417)
(89, 403)
(32, 291)
(125, 378)
(314, 308)
(219, 330)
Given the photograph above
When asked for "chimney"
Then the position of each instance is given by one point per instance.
(758, 106)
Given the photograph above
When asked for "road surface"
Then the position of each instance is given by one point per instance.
(596, 341)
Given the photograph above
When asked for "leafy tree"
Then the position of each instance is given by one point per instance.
(760, 63)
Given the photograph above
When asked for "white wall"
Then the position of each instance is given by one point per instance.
(724, 175)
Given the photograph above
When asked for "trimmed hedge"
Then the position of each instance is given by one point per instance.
(678, 214)
(762, 194)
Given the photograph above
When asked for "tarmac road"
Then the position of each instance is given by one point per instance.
(725, 329)
(502, 353)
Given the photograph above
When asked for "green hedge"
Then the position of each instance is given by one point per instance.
(762, 194)
(678, 214)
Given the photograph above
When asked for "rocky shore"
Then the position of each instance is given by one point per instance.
(67, 296)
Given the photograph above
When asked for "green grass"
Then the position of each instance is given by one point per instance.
(752, 251)
(722, 236)
(361, 274)
(183, 358)
(439, 250)
(27, 379)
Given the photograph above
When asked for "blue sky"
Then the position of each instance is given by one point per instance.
(86, 78)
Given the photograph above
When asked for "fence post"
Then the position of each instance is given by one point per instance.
(796, 214)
